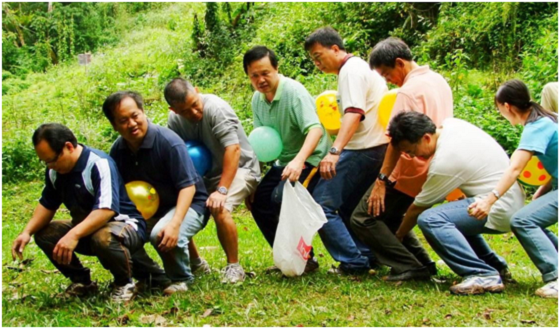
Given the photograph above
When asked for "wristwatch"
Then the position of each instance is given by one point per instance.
(382, 177)
(334, 151)
(222, 190)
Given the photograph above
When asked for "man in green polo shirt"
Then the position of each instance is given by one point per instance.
(285, 105)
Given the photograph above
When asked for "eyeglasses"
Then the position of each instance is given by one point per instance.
(53, 161)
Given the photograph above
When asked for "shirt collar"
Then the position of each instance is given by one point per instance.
(279, 90)
(416, 72)
(82, 160)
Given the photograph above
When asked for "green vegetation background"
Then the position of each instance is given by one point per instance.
(141, 46)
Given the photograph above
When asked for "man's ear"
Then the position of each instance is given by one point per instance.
(399, 63)
(70, 147)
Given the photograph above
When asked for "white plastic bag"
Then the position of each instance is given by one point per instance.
(300, 218)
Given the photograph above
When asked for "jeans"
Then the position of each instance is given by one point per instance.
(356, 170)
(268, 199)
(457, 238)
(529, 225)
(175, 262)
(379, 233)
(113, 244)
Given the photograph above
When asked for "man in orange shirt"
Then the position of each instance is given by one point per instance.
(380, 212)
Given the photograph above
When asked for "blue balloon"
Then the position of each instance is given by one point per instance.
(200, 155)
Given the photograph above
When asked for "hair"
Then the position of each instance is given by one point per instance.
(113, 102)
(387, 51)
(177, 90)
(326, 37)
(256, 53)
(55, 134)
(410, 126)
(515, 93)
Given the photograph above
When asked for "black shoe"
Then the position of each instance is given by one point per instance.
(416, 274)
(311, 266)
(341, 271)
(506, 276)
(153, 283)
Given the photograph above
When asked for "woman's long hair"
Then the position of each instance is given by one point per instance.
(516, 93)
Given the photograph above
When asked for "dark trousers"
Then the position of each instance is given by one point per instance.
(268, 199)
(112, 244)
(379, 233)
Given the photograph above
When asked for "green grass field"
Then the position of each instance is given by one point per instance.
(29, 292)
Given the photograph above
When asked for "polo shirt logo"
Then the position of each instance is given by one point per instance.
(78, 186)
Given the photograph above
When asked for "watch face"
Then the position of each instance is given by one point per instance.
(333, 150)
(222, 190)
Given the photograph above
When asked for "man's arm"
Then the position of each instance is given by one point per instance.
(170, 234)
(349, 125)
(63, 250)
(231, 162)
(376, 201)
(293, 170)
(409, 221)
(41, 217)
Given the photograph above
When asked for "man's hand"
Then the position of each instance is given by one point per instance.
(19, 245)
(293, 170)
(216, 201)
(168, 237)
(376, 201)
(327, 166)
(480, 209)
(249, 201)
(64, 249)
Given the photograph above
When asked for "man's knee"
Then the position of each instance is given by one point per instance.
(51, 233)
(518, 222)
(101, 239)
(221, 216)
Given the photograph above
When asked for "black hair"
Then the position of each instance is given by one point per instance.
(326, 37)
(515, 92)
(177, 90)
(387, 51)
(256, 53)
(55, 134)
(410, 126)
(113, 102)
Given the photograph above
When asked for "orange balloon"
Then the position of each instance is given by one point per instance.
(534, 173)
(386, 107)
(144, 196)
(327, 111)
(455, 195)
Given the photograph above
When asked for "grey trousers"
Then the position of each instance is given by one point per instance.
(379, 233)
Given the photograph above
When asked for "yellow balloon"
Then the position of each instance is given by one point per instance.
(386, 107)
(534, 173)
(327, 110)
(144, 196)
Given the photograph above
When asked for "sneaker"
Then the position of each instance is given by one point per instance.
(175, 287)
(421, 273)
(549, 290)
(201, 268)
(233, 273)
(506, 276)
(123, 293)
(311, 266)
(474, 285)
(77, 289)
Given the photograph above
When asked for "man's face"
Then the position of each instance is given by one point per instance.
(61, 162)
(394, 75)
(325, 58)
(264, 77)
(130, 121)
(421, 149)
(191, 109)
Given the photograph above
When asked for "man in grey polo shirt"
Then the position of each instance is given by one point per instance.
(285, 105)
(235, 169)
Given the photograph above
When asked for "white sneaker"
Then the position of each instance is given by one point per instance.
(474, 285)
(175, 287)
(123, 293)
(549, 290)
(202, 268)
(233, 273)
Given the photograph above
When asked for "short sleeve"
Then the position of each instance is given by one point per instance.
(436, 188)
(224, 126)
(105, 181)
(50, 198)
(181, 168)
(352, 90)
(302, 111)
(536, 136)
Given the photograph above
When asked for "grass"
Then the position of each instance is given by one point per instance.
(29, 294)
